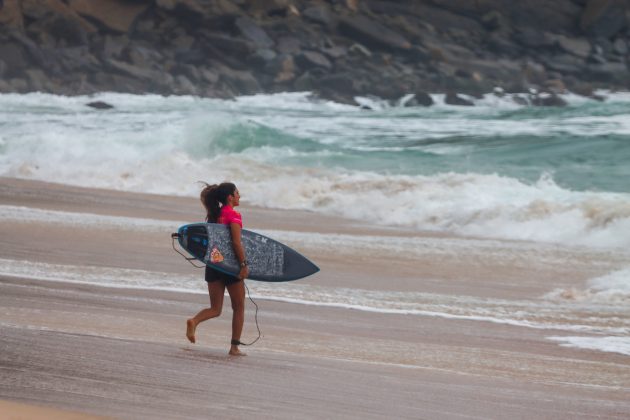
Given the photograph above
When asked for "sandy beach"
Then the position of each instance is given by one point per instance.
(397, 324)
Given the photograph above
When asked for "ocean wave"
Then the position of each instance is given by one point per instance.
(611, 288)
(494, 171)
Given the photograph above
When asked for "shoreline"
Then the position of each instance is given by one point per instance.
(122, 352)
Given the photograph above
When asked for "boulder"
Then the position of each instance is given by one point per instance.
(372, 33)
(11, 15)
(14, 58)
(564, 63)
(241, 82)
(254, 33)
(268, 7)
(115, 15)
(221, 13)
(99, 105)
(183, 86)
(37, 80)
(131, 70)
(61, 29)
(261, 58)
(454, 99)
(208, 75)
(320, 14)
(288, 45)
(620, 46)
(142, 56)
(310, 59)
(229, 45)
(282, 68)
(604, 18)
(56, 9)
(547, 100)
(578, 47)
(420, 99)
(609, 72)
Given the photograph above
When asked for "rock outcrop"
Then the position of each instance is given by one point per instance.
(338, 49)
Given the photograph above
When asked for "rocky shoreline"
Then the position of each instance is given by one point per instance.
(338, 49)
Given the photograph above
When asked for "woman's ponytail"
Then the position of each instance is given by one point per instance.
(213, 195)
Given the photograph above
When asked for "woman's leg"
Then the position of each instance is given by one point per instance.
(216, 289)
(237, 296)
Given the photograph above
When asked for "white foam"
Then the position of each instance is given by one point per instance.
(164, 145)
(521, 313)
(611, 344)
(612, 288)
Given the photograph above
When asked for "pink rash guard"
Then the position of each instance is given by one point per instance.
(229, 215)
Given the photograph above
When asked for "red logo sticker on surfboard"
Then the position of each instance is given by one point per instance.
(216, 256)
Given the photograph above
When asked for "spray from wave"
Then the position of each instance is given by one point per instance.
(493, 171)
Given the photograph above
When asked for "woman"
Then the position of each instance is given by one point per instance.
(219, 201)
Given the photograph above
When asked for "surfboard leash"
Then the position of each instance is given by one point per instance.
(190, 260)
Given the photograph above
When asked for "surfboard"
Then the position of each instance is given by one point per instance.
(268, 259)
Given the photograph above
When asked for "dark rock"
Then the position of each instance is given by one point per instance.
(141, 56)
(360, 50)
(420, 99)
(604, 18)
(99, 105)
(578, 47)
(14, 58)
(229, 45)
(77, 59)
(208, 75)
(519, 100)
(282, 67)
(18, 85)
(132, 71)
(310, 59)
(494, 21)
(534, 72)
(610, 73)
(621, 46)
(454, 99)
(564, 63)
(372, 33)
(240, 81)
(532, 38)
(304, 83)
(261, 58)
(548, 100)
(335, 52)
(254, 33)
(343, 83)
(113, 15)
(183, 86)
(320, 14)
(11, 15)
(111, 46)
(3, 68)
(268, 7)
(288, 45)
(37, 80)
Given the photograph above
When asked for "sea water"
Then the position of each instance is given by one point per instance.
(498, 170)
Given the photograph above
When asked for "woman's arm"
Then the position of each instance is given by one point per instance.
(235, 230)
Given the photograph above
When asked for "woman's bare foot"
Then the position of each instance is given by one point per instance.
(190, 330)
(234, 351)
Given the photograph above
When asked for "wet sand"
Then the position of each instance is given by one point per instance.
(122, 353)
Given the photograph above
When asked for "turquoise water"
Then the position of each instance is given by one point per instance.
(497, 169)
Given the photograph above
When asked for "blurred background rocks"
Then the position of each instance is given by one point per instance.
(338, 49)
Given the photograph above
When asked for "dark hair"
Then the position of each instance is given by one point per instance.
(212, 195)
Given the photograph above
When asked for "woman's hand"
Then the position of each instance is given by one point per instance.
(243, 273)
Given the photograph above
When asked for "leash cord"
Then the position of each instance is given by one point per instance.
(237, 342)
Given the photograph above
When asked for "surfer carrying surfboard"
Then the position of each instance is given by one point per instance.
(219, 202)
